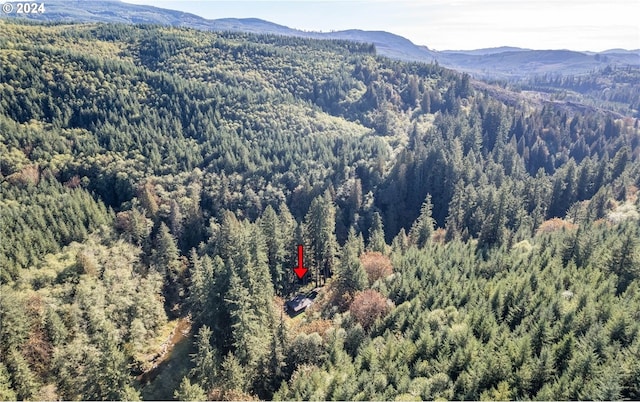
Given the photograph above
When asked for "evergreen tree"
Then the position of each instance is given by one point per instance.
(291, 233)
(258, 279)
(320, 225)
(400, 242)
(165, 260)
(351, 276)
(270, 225)
(272, 370)
(249, 320)
(6, 393)
(625, 259)
(129, 393)
(458, 210)
(425, 103)
(233, 377)
(24, 381)
(205, 360)
(110, 374)
(198, 287)
(216, 308)
(243, 321)
(376, 235)
(422, 229)
(175, 219)
(55, 328)
(189, 392)
(165, 257)
(206, 288)
(493, 226)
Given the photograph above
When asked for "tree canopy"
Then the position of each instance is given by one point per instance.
(155, 182)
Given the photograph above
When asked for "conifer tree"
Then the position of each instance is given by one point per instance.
(209, 280)
(351, 276)
(205, 360)
(6, 392)
(291, 233)
(55, 328)
(230, 237)
(492, 228)
(458, 206)
(199, 281)
(243, 321)
(189, 392)
(233, 377)
(23, 379)
(376, 235)
(270, 225)
(422, 229)
(175, 219)
(272, 369)
(625, 259)
(259, 281)
(110, 375)
(165, 260)
(320, 235)
(400, 243)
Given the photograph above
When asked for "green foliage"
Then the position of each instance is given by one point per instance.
(422, 229)
(305, 349)
(40, 219)
(610, 86)
(243, 323)
(6, 392)
(276, 237)
(165, 261)
(232, 376)
(350, 275)
(319, 227)
(529, 330)
(129, 393)
(107, 374)
(189, 392)
(230, 149)
(625, 258)
(206, 360)
(24, 380)
(91, 329)
(376, 240)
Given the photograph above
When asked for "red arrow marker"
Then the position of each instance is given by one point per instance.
(300, 270)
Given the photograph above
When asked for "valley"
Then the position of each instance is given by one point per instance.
(466, 237)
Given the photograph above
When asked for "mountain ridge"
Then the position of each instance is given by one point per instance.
(502, 62)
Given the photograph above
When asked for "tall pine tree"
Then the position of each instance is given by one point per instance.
(376, 235)
(351, 276)
(320, 236)
(422, 228)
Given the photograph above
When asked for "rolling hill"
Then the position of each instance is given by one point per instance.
(155, 180)
(494, 63)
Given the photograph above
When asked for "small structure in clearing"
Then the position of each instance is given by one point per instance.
(300, 303)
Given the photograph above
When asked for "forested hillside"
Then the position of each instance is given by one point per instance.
(508, 63)
(612, 88)
(467, 242)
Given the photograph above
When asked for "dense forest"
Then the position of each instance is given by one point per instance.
(465, 241)
(613, 88)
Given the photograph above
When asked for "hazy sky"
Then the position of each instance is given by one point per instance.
(448, 24)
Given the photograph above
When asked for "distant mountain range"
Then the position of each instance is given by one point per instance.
(501, 62)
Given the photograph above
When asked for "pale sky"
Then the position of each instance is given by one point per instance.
(448, 24)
